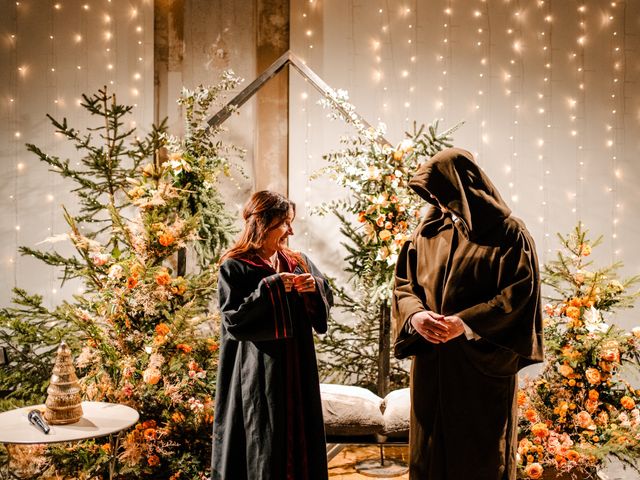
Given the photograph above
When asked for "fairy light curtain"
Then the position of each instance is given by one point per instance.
(548, 89)
(51, 52)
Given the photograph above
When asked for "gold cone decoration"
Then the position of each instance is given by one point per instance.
(63, 395)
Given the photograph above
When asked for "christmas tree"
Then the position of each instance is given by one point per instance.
(580, 410)
(143, 330)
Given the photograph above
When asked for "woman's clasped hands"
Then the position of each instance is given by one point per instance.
(302, 283)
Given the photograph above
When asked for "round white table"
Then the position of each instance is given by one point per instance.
(99, 419)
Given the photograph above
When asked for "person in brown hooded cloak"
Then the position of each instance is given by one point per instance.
(466, 307)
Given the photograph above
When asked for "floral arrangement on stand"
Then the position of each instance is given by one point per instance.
(143, 331)
(581, 410)
(376, 219)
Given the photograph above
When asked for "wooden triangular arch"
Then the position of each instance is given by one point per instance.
(287, 58)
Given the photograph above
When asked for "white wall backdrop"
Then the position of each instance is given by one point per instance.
(50, 53)
(548, 90)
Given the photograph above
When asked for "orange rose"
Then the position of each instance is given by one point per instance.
(593, 376)
(150, 434)
(151, 376)
(153, 460)
(572, 312)
(384, 235)
(163, 278)
(565, 370)
(540, 430)
(627, 402)
(611, 354)
(132, 282)
(534, 470)
(583, 419)
(162, 329)
(593, 395)
(184, 347)
(165, 239)
(573, 456)
(531, 415)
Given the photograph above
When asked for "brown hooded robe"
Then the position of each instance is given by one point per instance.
(482, 267)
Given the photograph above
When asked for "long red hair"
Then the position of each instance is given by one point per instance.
(263, 212)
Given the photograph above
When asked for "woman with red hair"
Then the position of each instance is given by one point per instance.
(268, 414)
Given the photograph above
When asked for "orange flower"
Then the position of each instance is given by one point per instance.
(397, 155)
(184, 347)
(149, 424)
(534, 470)
(132, 282)
(627, 402)
(540, 430)
(573, 456)
(177, 417)
(162, 329)
(153, 460)
(361, 217)
(150, 434)
(611, 354)
(531, 415)
(151, 376)
(213, 347)
(163, 278)
(165, 239)
(575, 302)
(572, 312)
(106, 447)
(593, 376)
(565, 370)
(585, 249)
(593, 395)
(583, 419)
(522, 398)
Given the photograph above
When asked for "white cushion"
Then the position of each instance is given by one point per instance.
(396, 407)
(349, 410)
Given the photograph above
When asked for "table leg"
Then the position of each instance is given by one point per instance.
(114, 443)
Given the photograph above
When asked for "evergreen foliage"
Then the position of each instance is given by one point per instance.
(143, 334)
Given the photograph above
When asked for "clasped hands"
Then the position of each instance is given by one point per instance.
(302, 283)
(436, 328)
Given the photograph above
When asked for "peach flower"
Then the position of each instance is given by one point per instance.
(593, 376)
(565, 370)
(151, 376)
(627, 402)
(534, 470)
(540, 430)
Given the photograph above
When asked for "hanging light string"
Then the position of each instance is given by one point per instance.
(52, 97)
(445, 61)
(616, 127)
(17, 72)
(580, 112)
(547, 112)
(484, 76)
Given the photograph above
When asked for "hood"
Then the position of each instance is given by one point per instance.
(459, 184)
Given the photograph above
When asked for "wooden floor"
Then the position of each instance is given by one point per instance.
(343, 465)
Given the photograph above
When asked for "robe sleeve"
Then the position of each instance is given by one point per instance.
(512, 319)
(258, 315)
(318, 303)
(408, 299)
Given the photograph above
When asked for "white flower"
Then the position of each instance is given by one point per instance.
(593, 321)
(405, 144)
(115, 272)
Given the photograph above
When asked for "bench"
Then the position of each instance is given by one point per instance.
(356, 416)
